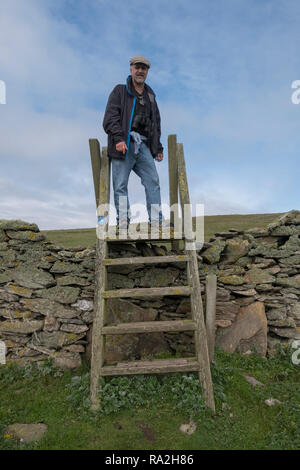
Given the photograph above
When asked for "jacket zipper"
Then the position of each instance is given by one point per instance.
(130, 124)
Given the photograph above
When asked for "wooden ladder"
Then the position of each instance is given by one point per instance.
(201, 362)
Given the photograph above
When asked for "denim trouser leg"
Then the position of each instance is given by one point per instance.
(143, 165)
(121, 169)
(145, 168)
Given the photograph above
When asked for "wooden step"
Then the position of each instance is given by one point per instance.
(147, 292)
(145, 260)
(149, 327)
(158, 366)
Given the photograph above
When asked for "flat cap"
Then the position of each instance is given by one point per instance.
(138, 59)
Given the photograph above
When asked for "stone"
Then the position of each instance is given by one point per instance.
(292, 216)
(223, 323)
(66, 267)
(231, 279)
(257, 232)
(18, 225)
(293, 281)
(291, 260)
(73, 328)
(3, 236)
(16, 314)
(26, 236)
(184, 306)
(245, 293)
(188, 428)
(235, 248)
(79, 348)
(51, 324)
(212, 254)
(72, 280)
(158, 277)
(26, 433)
(268, 250)
(84, 305)
(56, 339)
(18, 290)
(292, 333)
(272, 402)
(28, 276)
(248, 331)
(62, 294)
(227, 310)
(118, 281)
(276, 314)
(258, 276)
(121, 311)
(285, 322)
(7, 297)
(253, 381)
(151, 343)
(295, 311)
(121, 348)
(49, 308)
(21, 327)
(67, 360)
(285, 230)
(5, 277)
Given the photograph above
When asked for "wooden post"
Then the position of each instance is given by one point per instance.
(173, 184)
(96, 162)
(97, 359)
(211, 293)
(196, 300)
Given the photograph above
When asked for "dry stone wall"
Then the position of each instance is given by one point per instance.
(47, 292)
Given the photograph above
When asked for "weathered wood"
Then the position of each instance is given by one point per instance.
(173, 172)
(173, 184)
(184, 195)
(160, 366)
(96, 165)
(196, 300)
(200, 333)
(147, 292)
(104, 196)
(149, 327)
(97, 358)
(145, 260)
(211, 293)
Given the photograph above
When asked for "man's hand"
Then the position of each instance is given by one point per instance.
(121, 147)
(159, 157)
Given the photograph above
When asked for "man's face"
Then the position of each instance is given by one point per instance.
(139, 73)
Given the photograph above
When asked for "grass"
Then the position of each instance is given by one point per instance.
(214, 223)
(145, 412)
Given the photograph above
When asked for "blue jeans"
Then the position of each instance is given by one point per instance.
(143, 165)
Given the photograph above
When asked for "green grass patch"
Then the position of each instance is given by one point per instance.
(145, 412)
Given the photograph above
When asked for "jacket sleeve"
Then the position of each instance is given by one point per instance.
(112, 116)
(160, 147)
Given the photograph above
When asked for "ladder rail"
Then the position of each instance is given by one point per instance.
(196, 299)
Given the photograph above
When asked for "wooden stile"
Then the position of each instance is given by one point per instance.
(178, 180)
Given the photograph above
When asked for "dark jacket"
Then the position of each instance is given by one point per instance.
(118, 119)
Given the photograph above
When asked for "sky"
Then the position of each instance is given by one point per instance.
(222, 72)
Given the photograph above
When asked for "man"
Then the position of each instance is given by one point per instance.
(132, 122)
